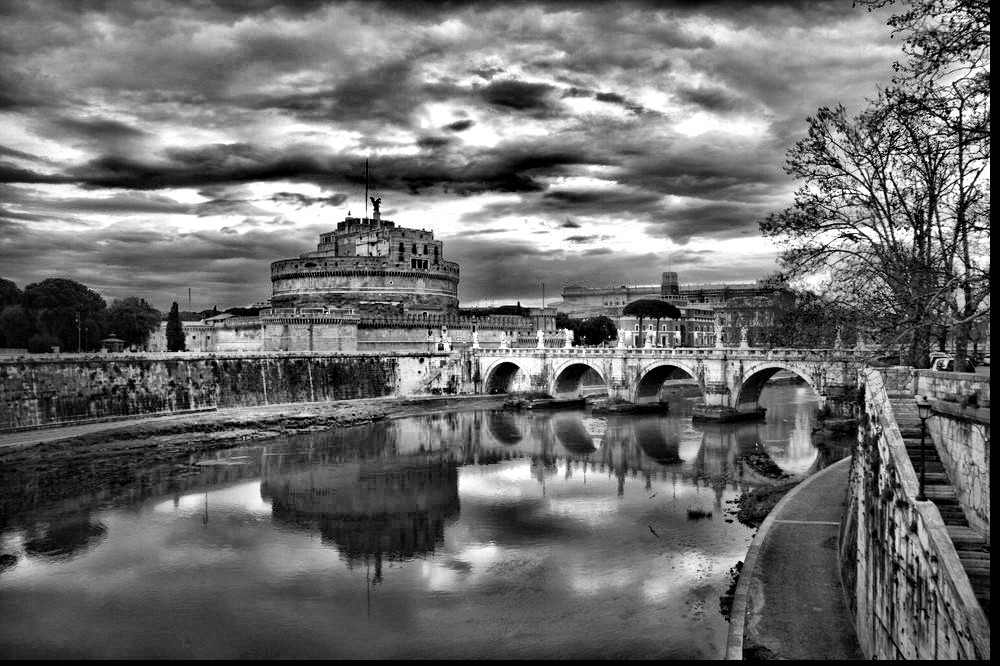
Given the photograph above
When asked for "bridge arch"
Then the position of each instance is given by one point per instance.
(505, 377)
(749, 390)
(574, 378)
(650, 380)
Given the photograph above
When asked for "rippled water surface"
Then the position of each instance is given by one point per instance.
(477, 534)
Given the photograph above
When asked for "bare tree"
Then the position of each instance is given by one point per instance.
(894, 212)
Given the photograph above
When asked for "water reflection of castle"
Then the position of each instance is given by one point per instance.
(392, 509)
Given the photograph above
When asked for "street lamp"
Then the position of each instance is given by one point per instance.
(924, 412)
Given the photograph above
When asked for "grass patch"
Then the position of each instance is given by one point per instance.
(754, 505)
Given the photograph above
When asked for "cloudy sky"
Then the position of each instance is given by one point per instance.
(147, 147)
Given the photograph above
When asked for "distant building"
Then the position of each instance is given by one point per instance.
(755, 305)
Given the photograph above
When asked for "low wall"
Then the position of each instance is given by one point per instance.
(912, 598)
(46, 390)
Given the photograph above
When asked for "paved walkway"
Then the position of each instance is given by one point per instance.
(789, 602)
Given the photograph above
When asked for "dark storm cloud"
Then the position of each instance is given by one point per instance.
(508, 168)
(704, 168)
(598, 251)
(583, 239)
(10, 152)
(523, 268)
(385, 93)
(460, 125)
(519, 95)
(132, 202)
(10, 173)
(615, 98)
(706, 219)
(594, 204)
(302, 200)
(95, 129)
(227, 207)
(713, 98)
(433, 142)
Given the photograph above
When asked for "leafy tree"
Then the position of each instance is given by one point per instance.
(596, 330)
(132, 319)
(55, 304)
(175, 331)
(42, 343)
(563, 320)
(243, 312)
(9, 294)
(813, 323)
(16, 327)
(652, 308)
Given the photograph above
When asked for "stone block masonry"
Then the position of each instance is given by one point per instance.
(911, 595)
(51, 390)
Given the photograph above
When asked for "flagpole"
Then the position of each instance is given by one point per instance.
(366, 189)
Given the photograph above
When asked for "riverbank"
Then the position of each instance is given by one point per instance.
(101, 458)
(238, 424)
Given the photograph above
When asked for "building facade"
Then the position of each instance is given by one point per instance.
(755, 306)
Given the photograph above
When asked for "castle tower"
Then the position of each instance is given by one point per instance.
(371, 266)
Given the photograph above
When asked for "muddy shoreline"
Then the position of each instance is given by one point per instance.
(115, 462)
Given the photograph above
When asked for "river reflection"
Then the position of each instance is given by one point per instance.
(479, 534)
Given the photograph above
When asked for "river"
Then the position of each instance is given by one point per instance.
(476, 534)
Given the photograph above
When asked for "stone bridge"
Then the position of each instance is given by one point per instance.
(730, 379)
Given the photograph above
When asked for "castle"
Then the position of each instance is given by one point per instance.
(369, 286)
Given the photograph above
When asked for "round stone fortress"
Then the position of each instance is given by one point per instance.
(371, 266)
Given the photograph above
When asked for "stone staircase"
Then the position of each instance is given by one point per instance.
(972, 547)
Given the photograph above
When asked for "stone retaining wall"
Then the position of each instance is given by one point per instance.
(911, 596)
(39, 391)
(960, 428)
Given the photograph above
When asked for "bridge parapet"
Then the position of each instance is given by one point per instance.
(730, 353)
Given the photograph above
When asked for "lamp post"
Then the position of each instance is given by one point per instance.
(924, 412)
(77, 332)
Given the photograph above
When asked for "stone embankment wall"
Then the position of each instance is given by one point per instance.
(911, 596)
(960, 428)
(40, 391)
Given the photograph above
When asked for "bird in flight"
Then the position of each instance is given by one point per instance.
(653, 531)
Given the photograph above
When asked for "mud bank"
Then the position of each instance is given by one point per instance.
(116, 461)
